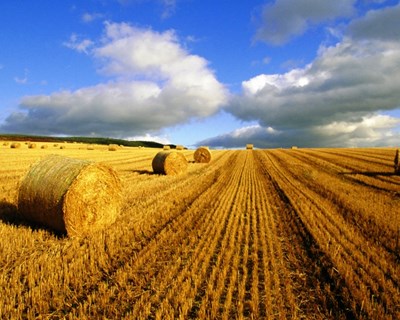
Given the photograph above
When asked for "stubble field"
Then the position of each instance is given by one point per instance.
(254, 234)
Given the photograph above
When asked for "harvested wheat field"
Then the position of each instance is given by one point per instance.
(253, 234)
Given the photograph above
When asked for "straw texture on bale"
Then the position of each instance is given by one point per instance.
(202, 155)
(69, 195)
(249, 146)
(169, 163)
(15, 145)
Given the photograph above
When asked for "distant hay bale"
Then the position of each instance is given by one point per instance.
(202, 155)
(113, 147)
(169, 163)
(44, 146)
(55, 145)
(90, 147)
(166, 147)
(62, 147)
(69, 195)
(15, 145)
(249, 146)
(32, 145)
(5, 144)
(294, 147)
(397, 162)
(180, 147)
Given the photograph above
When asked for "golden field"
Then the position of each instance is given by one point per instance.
(254, 234)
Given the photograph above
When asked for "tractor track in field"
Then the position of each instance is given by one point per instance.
(344, 247)
(140, 247)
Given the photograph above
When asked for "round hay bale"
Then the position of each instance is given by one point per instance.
(166, 147)
(169, 163)
(63, 147)
(15, 145)
(180, 147)
(90, 147)
(32, 145)
(5, 144)
(44, 146)
(249, 146)
(69, 195)
(202, 155)
(113, 147)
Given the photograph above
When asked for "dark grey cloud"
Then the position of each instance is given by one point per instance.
(383, 24)
(285, 19)
(373, 130)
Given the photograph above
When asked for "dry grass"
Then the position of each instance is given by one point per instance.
(269, 234)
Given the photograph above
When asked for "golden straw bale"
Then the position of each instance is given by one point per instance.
(90, 147)
(202, 155)
(180, 147)
(15, 145)
(62, 147)
(113, 147)
(69, 195)
(32, 145)
(44, 146)
(169, 163)
(166, 147)
(249, 146)
(5, 144)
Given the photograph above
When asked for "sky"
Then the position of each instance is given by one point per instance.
(310, 73)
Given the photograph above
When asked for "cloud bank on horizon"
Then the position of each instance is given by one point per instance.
(337, 100)
(346, 96)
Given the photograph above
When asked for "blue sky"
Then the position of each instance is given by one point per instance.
(310, 73)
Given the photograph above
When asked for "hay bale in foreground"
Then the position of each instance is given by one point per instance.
(202, 155)
(69, 195)
(169, 163)
(15, 145)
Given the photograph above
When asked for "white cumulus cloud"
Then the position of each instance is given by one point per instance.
(154, 83)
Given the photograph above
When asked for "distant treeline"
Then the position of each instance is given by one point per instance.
(94, 140)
